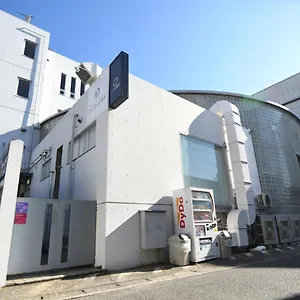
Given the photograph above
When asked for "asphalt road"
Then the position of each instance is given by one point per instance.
(278, 279)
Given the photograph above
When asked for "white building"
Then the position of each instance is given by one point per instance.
(35, 82)
(131, 158)
(99, 165)
(285, 92)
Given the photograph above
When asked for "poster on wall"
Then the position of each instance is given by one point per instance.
(21, 213)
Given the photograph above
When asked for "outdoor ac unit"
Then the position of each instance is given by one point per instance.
(268, 230)
(264, 200)
(284, 228)
(295, 220)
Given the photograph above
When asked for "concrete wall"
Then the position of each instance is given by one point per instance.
(84, 171)
(294, 107)
(52, 100)
(135, 165)
(26, 244)
(282, 92)
(144, 165)
(8, 204)
(19, 112)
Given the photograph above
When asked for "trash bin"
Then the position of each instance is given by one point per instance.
(225, 240)
(179, 249)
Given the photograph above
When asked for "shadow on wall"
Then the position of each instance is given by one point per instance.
(25, 134)
(125, 240)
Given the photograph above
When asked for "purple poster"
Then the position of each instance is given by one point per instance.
(21, 213)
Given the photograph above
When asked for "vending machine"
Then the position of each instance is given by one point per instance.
(195, 216)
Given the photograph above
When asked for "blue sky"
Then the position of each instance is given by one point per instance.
(238, 46)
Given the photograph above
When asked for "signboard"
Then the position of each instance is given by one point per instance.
(98, 95)
(21, 213)
(180, 212)
(118, 80)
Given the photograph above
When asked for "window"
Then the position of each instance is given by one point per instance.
(46, 234)
(84, 142)
(29, 49)
(204, 167)
(45, 173)
(23, 87)
(82, 88)
(62, 83)
(66, 234)
(69, 153)
(92, 137)
(73, 84)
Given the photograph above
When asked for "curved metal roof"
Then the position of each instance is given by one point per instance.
(234, 95)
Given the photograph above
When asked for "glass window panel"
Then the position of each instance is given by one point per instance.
(92, 137)
(46, 234)
(204, 167)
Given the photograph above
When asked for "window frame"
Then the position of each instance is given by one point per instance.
(62, 87)
(82, 88)
(47, 176)
(35, 46)
(72, 87)
(28, 92)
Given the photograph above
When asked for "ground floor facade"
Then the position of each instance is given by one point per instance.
(100, 169)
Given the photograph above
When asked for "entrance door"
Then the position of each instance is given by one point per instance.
(59, 153)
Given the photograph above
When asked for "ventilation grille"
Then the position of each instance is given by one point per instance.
(296, 225)
(269, 230)
(284, 230)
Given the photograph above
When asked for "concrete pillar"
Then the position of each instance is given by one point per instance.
(8, 204)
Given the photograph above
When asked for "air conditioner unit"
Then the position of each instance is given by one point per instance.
(295, 220)
(284, 228)
(263, 201)
(266, 230)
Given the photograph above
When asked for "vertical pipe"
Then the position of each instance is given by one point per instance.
(69, 186)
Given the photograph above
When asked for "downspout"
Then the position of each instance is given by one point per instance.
(38, 88)
(69, 186)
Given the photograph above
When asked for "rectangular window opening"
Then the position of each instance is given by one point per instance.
(82, 88)
(73, 85)
(23, 88)
(66, 234)
(45, 172)
(62, 83)
(46, 234)
(29, 49)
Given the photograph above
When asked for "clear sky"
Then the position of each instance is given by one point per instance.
(238, 46)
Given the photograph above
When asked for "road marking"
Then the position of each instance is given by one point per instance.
(264, 252)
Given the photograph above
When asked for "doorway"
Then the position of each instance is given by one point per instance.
(58, 166)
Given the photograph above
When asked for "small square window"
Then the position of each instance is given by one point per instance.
(29, 49)
(23, 88)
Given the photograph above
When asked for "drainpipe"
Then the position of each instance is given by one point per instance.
(74, 127)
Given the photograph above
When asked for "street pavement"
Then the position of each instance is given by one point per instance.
(279, 279)
(271, 274)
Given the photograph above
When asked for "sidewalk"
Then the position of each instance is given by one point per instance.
(97, 283)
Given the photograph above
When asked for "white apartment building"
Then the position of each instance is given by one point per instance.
(35, 83)
(285, 92)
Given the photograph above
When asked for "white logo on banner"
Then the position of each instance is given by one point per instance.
(98, 95)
